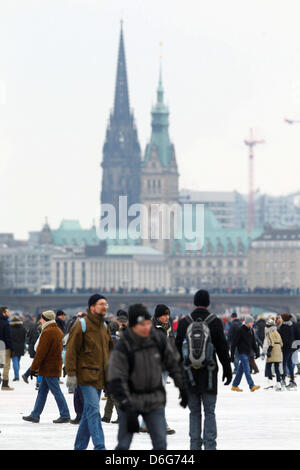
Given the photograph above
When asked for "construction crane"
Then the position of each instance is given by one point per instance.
(251, 142)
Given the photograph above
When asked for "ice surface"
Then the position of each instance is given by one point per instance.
(258, 420)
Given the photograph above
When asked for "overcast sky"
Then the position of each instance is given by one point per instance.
(227, 66)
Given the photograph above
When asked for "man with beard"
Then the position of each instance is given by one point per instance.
(87, 354)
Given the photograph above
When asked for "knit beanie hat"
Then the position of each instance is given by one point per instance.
(161, 310)
(201, 298)
(48, 315)
(234, 315)
(122, 316)
(137, 313)
(94, 299)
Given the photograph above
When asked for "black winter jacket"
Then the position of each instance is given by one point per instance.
(235, 325)
(244, 341)
(5, 334)
(220, 344)
(18, 337)
(287, 333)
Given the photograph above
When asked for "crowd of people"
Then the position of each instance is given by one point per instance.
(129, 358)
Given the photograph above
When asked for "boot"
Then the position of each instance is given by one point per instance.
(236, 389)
(255, 387)
(292, 386)
(269, 385)
(278, 387)
(5, 386)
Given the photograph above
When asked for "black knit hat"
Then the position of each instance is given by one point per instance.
(161, 310)
(137, 313)
(201, 298)
(94, 299)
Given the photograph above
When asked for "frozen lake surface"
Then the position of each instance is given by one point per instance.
(246, 421)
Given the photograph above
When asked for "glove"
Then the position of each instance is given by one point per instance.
(227, 374)
(184, 398)
(269, 350)
(33, 373)
(71, 382)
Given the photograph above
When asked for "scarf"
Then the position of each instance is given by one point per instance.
(50, 322)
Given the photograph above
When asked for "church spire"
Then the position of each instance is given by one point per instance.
(121, 105)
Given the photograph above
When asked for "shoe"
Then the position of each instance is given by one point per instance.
(291, 386)
(269, 385)
(105, 420)
(31, 419)
(170, 431)
(236, 389)
(25, 379)
(115, 422)
(75, 421)
(104, 398)
(278, 387)
(255, 387)
(16, 380)
(142, 429)
(61, 420)
(5, 386)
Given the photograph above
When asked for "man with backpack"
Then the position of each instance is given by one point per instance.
(87, 352)
(204, 336)
(135, 378)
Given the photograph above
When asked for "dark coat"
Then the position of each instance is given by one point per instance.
(245, 342)
(260, 330)
(61, 324)
(5, 334)
(287, 333)
(220, 344)
(18, 337)
(32, 337)
(48, 358)
(135, 370)
(234, 326)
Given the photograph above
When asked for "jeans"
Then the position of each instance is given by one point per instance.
(16, 365)
(288, 366)
(52, 384)
(90, 424)
(156, 424)
(195, 401)
(243, 368)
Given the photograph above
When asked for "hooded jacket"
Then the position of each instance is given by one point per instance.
(274, 340)
(135, 370)
(18, 336)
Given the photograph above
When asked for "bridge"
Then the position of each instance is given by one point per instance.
(34, 304)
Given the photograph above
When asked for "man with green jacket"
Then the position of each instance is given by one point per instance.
(87, 354)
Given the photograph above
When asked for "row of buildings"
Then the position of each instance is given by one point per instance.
(71, 258)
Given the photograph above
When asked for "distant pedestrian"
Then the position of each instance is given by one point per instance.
(6, 346)
(48, 364)
(60, 320)
(287, 333)
(234, 326)
(244, 341)
(273, 353)
(18, 337)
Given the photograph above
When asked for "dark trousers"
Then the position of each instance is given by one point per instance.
(288, 366)
(269, 370)
(156, 424)
(195, 403)
(108, 410)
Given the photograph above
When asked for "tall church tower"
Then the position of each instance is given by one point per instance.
(159, 179)
(121, 151)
